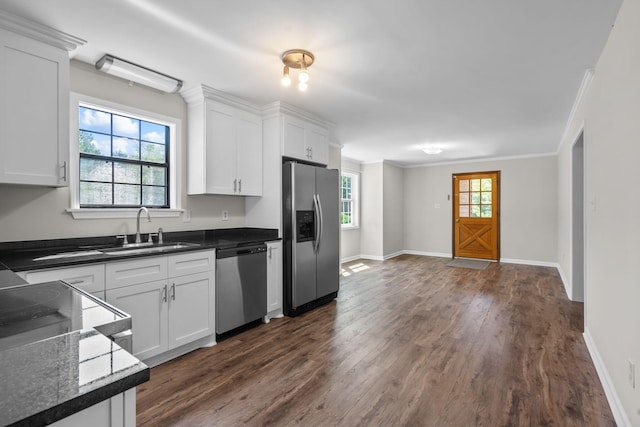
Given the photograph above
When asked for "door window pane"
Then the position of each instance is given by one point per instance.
(475, 211)
(486, 184)
(485, 211)
(485, 199)
(464, 211)
(475, 198)
(464, 198)
(475, 185)
(464, 185)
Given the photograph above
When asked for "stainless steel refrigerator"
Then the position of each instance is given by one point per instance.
(311, 229)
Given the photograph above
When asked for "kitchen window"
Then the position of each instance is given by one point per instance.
(349, 200)
(122, 158)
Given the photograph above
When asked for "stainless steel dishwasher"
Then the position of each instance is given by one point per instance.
(241, 286)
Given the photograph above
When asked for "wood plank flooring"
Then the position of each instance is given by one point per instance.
(408, 342)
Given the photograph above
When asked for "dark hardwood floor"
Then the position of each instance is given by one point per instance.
(408, 342)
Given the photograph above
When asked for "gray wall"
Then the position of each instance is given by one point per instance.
(528, 208)
(29, 213)
(393, 208)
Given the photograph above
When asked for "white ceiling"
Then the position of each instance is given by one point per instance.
(480, 79)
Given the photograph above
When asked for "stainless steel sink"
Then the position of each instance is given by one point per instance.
(145, 249)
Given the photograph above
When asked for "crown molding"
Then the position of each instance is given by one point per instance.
(280, 107)
(40, 32)
(200, 93)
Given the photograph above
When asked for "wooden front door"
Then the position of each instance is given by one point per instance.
(476, 215)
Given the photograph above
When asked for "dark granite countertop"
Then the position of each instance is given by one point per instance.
(22, 256)
(48, 380)
(54, 358)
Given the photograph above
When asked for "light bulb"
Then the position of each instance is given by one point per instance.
(302, 86)
(286, 80)
(303, 76)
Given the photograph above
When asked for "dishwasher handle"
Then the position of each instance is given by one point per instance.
(241, 251)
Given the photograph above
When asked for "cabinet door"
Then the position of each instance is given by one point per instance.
(220, 149)
(191, 308)
(34, 112)
(89, 278)
(294, 144)
(317, 141)
(147, 304)
(249, 149)
(274, 278)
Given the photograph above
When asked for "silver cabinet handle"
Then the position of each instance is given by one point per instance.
(173, 291)
(164, 297)
(75, 282)
(270, 251)
(235, 184)
(64, 171)
(240, 186)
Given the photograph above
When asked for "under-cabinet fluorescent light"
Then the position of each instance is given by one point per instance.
(138, 74)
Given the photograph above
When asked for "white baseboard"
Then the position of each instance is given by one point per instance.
(209, 341)
(393, 255)
(434, 254)
(622, 420)
(372, 257)
(349, 259)
(565, 282)
(529, 262)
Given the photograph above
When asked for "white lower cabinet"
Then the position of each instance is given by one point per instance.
(274, 279)
(89, 278)
(170, 312)
(118, 411)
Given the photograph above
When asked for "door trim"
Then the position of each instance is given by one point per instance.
(454, 205)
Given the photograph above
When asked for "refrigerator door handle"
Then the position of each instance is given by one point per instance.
(317, 221)
(321, 221)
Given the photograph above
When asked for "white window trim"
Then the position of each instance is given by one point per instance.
(355, 197)
(175, 130)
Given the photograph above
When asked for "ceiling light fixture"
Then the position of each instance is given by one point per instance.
(432, 150)
(138, 74)
(299, 59)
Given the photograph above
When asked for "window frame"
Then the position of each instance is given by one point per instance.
(174, 163)
(355, 199)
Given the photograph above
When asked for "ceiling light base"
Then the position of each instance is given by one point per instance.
(297, 58)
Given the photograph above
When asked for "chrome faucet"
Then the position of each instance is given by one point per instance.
(138, 239)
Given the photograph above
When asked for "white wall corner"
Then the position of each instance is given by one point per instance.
(393, 255)
(619, 414)
(565, 282)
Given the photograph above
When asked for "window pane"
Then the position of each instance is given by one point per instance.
(95, 193)
(464, 185)
(126, 194)
(126, 173)
(485, 198)
(475, 198)
(464, 198)
(464, 211)
(95, 170)
(153, 152)
(126, 148)
(475, 211)
(94, 143)
(475, 185)
(126, 126)
(94, 120)
(154, 196)
(486, 184)
(486, 211)
(153, 132)
(153, 175)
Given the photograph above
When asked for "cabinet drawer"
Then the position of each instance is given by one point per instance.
(140, 270)
(89, 278)
(191, 263)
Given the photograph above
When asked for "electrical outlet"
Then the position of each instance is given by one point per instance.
(186, 215)
(225, 215)
(632, 374)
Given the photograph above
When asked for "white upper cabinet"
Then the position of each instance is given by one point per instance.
(225, 144)
(304, 140)
(34, 103)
